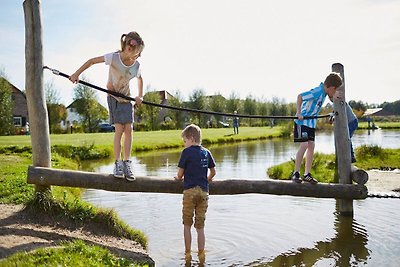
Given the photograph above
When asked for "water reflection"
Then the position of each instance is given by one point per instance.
(256, 229)
(347, 248)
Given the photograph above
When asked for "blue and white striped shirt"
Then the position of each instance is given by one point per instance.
(312, 104)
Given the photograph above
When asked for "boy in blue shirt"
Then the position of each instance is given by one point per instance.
(193, 166)
(309, 103)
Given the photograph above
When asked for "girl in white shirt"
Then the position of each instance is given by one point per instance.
(123, 67)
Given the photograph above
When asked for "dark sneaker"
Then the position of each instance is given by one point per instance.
(128, 171)
(119, 169)
(296, 177)
(308, 178)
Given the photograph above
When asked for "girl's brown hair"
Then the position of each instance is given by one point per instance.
(133, 40)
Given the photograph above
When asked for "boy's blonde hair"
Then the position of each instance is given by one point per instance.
(133, 40)
(334, 80)
(192, 131)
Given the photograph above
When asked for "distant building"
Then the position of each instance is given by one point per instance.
(376, 112)
(73, 117)
(20, 108)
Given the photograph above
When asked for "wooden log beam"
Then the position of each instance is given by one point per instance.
(358, 175)
(48, 176)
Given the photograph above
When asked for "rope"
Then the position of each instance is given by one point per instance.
(59, 73)
(384, 195)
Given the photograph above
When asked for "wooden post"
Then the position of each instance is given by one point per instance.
(68, 178)
(342, 143)
(38, 120)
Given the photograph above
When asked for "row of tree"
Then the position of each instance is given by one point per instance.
(148, 117)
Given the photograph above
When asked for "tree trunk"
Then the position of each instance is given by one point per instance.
(38, 119)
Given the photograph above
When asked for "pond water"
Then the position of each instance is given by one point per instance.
(262, 230)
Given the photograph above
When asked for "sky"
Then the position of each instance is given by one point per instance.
(263, 48)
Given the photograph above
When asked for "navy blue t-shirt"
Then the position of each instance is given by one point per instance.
(196, 160)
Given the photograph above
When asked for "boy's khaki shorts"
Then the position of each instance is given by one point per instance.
(195, 203)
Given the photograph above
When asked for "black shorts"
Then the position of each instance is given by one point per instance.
(303, 133)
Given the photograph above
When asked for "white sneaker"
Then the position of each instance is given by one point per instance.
(119, 169)
(128, 171)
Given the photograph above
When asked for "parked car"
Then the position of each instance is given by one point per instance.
(224, 124)
(106, 128)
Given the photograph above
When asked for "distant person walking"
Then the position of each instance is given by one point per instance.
(123, 67)
(235, 123)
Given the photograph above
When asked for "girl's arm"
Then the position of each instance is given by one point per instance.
(139, 98)
(75, 77)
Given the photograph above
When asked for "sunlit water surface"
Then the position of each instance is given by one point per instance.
(262, 230)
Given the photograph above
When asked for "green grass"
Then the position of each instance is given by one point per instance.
(61, 203)
(382, 125)
(76, 253)
(323, 167)
(375, 157)
(143, 141)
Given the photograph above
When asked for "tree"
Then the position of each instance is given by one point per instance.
(56, 111)
(233, 103)
(262, 109)
(177, 116)
(149, 112)
(250, 106)
(6, 106)
(217, 103)
(87, 106)
(393, 107)
(197, 101)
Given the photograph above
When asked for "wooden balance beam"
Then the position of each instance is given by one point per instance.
(68, 178)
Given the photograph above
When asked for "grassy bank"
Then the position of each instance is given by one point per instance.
(76, 253)
(323, 168)
(61, 205)
(143, 141)
(381, 125)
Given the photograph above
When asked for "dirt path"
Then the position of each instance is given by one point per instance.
(383, 181)
(20, 231)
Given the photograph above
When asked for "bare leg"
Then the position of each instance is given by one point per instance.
(188, 238)
(201, 242)
(201, 239)
(299, 156)
(309, 156)
(119, 129)
(127, 140)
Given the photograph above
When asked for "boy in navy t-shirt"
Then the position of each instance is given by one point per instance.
(193, 166)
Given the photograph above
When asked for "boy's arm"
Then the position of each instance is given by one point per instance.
(212, 174)
(75, 77)
(179, 175)
(298, 107)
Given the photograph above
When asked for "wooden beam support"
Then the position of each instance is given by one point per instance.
(358, 175)
(68, 178)
(35, 97)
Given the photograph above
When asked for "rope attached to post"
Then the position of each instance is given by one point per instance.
(59, 73)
